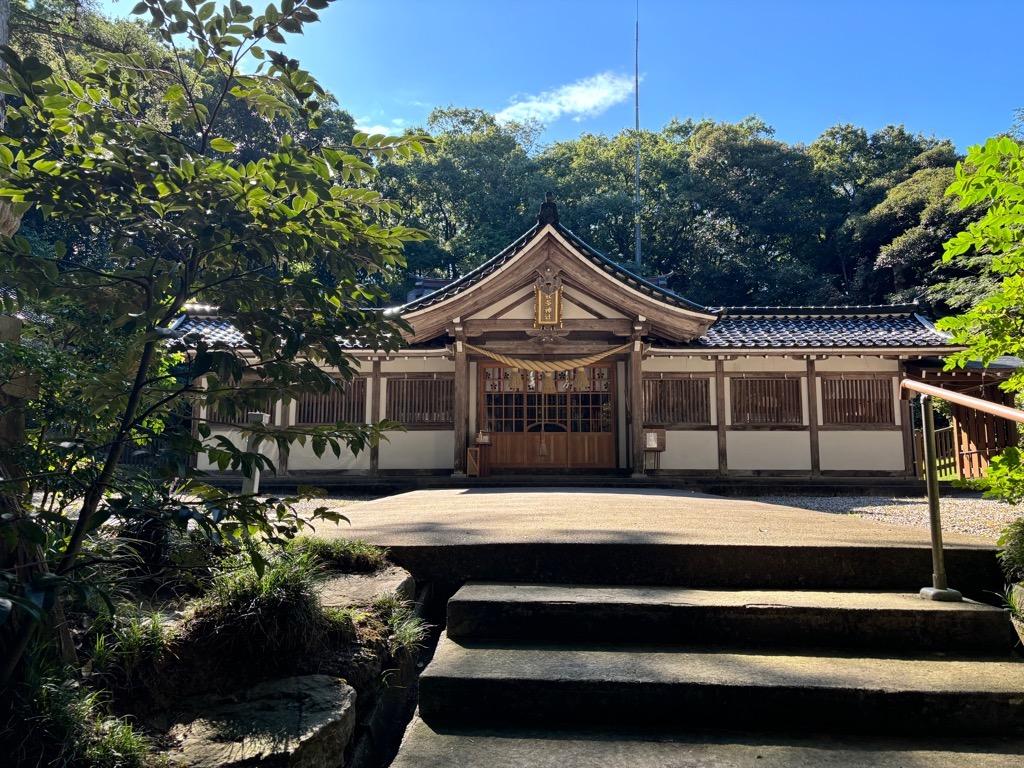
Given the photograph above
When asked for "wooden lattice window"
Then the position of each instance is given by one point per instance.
(677, 402)
(347, 404)
(857, 401)
(422, 402)
(766, 401)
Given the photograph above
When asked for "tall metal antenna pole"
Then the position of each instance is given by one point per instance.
(637, 255)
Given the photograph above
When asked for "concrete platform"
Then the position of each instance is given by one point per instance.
(672, 689)
(578, 613)
(650, 536)
(606, 515)
(424, 747)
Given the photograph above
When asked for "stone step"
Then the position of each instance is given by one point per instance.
(895, 568)
(673, 689)
(867, 620)
(424, 747)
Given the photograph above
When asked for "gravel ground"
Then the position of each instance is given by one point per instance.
(968, 515)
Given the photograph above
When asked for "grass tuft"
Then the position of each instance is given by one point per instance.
(259, 621)
(405, 630)
(1011, 554)
(69, 726)
(340, 555)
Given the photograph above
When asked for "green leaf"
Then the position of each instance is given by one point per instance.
(221, 145)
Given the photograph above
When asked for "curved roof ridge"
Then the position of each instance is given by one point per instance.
(629, 274)
(470, 277)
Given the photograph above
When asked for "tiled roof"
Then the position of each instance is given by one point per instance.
(218, 332)
(795, 327)
(606, 264)
(215, 332)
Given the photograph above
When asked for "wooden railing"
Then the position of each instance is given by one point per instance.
(940, 588)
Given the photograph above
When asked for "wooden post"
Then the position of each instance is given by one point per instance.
(723, 454)
(636, 406)
(373, 385)
(461, 404)
(908, 436)
(812, 416)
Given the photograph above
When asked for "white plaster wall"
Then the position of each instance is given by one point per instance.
(861, 449)
(678, 364)
(498, 306)
(757, 449)
(573, 311)
(302, 458)
(418, 449)
(522, 311)
(413, 363)
(591, 305)
(690, 449)
(861, 364)
(765, 364)
(268, 449)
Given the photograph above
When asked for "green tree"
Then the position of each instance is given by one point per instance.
(285, 244)
(475, 192)
(992, 179)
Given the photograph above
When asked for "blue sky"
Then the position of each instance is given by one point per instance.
(799, 65)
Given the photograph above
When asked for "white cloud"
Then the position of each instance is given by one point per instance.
(391, 128)
(588, 97)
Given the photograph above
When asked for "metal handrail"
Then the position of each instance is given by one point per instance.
(940, 589)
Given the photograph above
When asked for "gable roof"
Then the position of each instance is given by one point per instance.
(607, 265)
(550, 247)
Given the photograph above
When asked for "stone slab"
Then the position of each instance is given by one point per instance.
(424, 747)
(343, 590)
(298, 722)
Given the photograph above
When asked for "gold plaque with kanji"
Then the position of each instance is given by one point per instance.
(548, 298)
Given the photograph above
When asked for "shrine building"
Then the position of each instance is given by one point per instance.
(551, 357)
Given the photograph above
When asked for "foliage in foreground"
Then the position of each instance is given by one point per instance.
(157, 209)
(1012, 553)
(992, 178)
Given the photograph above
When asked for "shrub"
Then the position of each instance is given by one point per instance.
(1012, 553)
(340, 554)
(264, 621)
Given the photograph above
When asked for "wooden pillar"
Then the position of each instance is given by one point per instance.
(906, 424)
(636, 406)
(461, 404)
(812, 416)
(373, 385)
(723, 454)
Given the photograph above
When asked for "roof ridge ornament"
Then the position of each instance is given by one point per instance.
(548, 213)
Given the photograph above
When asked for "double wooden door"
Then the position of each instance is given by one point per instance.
(564, 420)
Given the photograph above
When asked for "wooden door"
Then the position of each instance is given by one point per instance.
(566, 422)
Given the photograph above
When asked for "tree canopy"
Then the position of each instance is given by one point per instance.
(730, 213)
